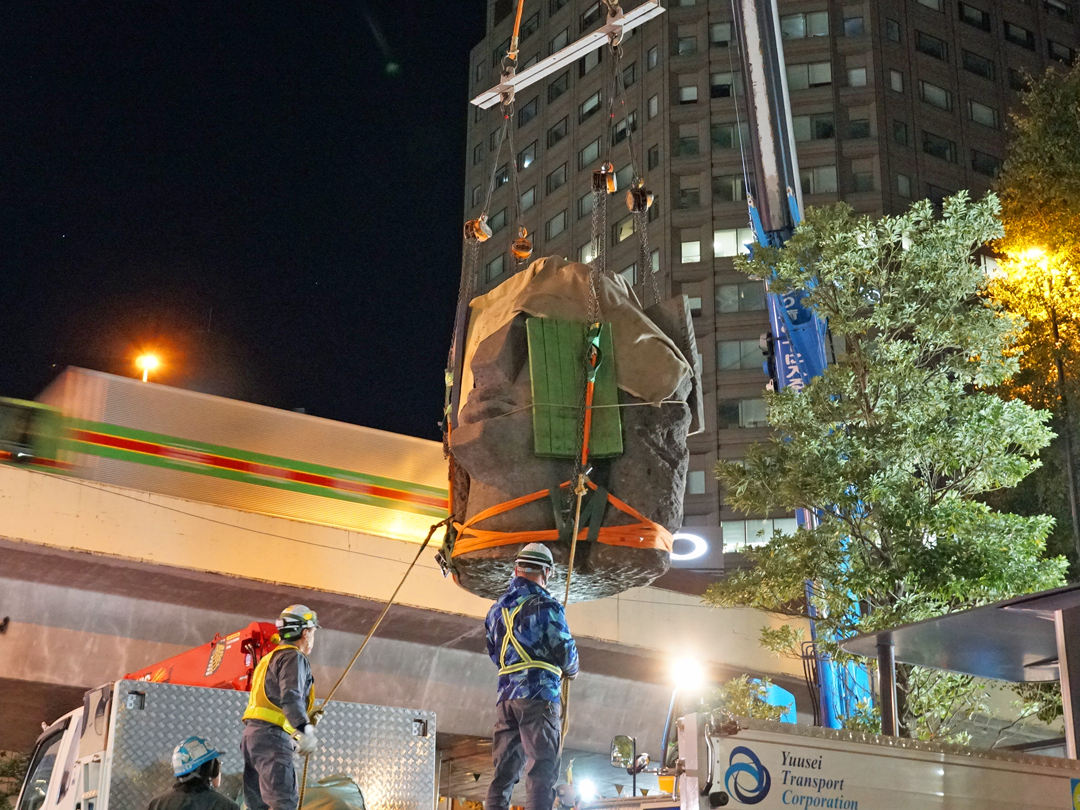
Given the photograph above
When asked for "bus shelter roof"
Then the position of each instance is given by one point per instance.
(1013, 640)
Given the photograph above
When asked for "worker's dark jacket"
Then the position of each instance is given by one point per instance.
(288, 685)
(197, 795)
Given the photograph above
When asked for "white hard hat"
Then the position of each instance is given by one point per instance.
(294, 620)
(535, 554)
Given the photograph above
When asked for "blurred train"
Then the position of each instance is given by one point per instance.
(30, 433)
(123, 432)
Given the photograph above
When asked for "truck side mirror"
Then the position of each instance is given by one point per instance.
(622, 751)
(641, 763)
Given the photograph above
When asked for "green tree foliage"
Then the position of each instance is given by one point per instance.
(1040, 182)
(743, 697)
(1039, 280)
(894, 443)
(12, 770)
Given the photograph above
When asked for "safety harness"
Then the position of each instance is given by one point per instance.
(259, 706)
(527, 661)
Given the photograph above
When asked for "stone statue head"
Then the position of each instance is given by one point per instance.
(492, 445)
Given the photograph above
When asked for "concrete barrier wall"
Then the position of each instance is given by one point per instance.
(54, 511)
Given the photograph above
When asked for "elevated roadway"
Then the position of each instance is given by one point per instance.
(99, 580)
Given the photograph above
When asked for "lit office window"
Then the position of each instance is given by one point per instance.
(800, 26)
(738, 355)
(690, 247)
(494, 268)
(742, 413)
(983, 114)
(746, 296)
(732, 241)
(818, 180)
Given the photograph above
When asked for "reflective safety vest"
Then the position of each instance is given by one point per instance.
(259, 706)
(527, 661)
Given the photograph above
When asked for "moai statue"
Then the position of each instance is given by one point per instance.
(512, 446)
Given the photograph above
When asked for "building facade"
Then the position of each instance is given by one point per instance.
(892, 101)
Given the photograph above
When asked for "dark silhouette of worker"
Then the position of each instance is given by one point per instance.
(277, 721)
(528, 639)
(197, 768)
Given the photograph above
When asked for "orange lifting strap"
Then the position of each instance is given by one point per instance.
(643, 534)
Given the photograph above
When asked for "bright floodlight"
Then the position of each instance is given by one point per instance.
(688, 673)
(698, 546)
(146, 363)
(1033, 253)
(587, 789)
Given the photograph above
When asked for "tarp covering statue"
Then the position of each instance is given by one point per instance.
(505, 442)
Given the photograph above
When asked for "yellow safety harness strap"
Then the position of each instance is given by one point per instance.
(527, 661)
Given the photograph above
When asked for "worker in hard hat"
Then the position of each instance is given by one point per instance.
(277, 721)
(527, 637)
(197, 768)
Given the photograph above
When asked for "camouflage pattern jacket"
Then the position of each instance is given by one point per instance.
(540, 628)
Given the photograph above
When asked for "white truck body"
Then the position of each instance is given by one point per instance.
(115, 752)
(777, 765)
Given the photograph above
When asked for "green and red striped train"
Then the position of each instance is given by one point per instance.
(123, 432)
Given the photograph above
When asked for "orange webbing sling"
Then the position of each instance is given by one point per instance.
(643, 534)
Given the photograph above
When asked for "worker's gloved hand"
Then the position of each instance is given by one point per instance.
(306, 741)
(317, 715)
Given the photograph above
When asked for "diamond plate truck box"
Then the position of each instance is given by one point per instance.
(114, 753)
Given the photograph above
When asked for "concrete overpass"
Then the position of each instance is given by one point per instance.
(171, 516)
(99, 580)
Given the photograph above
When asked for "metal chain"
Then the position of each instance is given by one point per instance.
(641, 218)
(515, 189)
(508, 115)
(599, 208)
(646, 256)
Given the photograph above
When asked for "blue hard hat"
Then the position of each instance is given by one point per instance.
(190, 754)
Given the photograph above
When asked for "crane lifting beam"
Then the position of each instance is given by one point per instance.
(797, 336)
(614, 27)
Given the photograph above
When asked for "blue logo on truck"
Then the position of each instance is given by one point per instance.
(746, 778)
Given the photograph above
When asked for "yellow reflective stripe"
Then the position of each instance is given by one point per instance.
(270, 716)
(259, 706)
(521, 667)
(527, 661)
(524, 656)
(508, 623)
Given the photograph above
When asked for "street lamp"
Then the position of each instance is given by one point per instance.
(689, 676)
(1040, 274)
(147, 363)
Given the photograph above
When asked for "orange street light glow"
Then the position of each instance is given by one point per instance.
(147, 363)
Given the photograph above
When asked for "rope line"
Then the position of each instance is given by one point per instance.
(321, 710)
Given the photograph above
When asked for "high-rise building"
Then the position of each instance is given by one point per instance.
(892, 101)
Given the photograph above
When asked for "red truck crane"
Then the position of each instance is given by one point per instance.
(225, 662)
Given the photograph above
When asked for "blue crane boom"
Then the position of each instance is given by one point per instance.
(797, 337)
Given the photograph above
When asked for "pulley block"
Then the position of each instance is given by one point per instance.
(603, 179)
(478, 229)
(638, 198)
(522, 247)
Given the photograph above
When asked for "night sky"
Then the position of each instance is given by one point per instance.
(268, 193)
